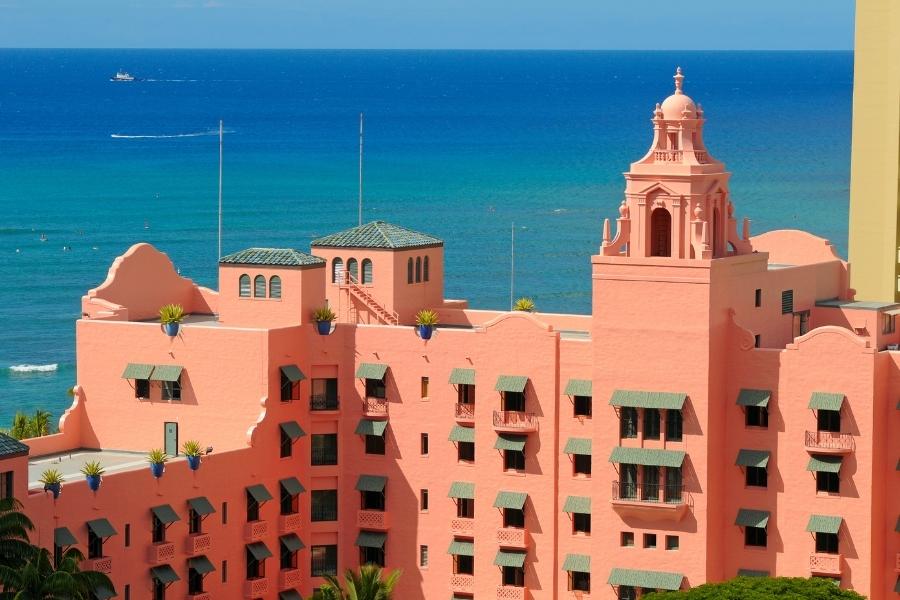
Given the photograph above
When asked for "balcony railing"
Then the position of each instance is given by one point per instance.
(825, 564)
(897, 563)
(515, 420)
(372, 519)
(199, 596)
(830, 441)
(510, 537)
(460, 582)
(256, 588)
(255, 530)
(288, 523)
(161, 552)
(198, 543)
(375, 407)
(323, 513)
(324, 456)
(510, 592)
(101, 565)
(289, 578)
(649, 492)
(324, 402)
(461, 526)
(465, 412)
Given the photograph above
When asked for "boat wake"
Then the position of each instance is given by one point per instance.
(122, 136)
(33, 368)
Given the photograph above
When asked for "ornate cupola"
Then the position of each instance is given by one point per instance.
(677, 202)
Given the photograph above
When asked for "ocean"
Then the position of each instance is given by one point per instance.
(458, 144)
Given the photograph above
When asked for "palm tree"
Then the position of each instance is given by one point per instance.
(37, 579)
(14, 528)
(367, 585)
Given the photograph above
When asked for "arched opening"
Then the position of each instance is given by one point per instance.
(244, 286)
(259, 287)
(367, 270)
(275, 286)
(337, 270)
(418, 269)
(660, 233)
(409, 270)
(425, 269)
(353, 269)
(717, 236)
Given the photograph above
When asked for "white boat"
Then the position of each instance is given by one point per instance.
(122, 76)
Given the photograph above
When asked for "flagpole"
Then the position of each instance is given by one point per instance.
(512, 263)
(360, 209)
(221, 132)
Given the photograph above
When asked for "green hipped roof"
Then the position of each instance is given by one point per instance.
(510, 500)
(292, 485)
(826, 401)
(293, 373)
(63, 537)
(259, 493)
(462, 434)
(462, 376)
(647, 457)
(824, 524)
(639, 399)
(578, 446)
(292, 542)
(371, 539)
(165, 513)
(752, 518)
(370, 427)
(511, 383)
(461, 548)
(509, 441)
(371, 371)
(510, 558)
(291, 594)
(292, 429)
(752, 458)
(579, 387)
(101, 528)
(752, 573)
(10, 446)
(201, 564)
(754, 397)
(166, 373)
(371, 483)
(824, 463)
(201, 505)
(137, 371)
(577, 562)
(377, 234)
(164, 574)
(656, 580)
(276, 257)
(462, 489)
(578, 504)
(259, 550)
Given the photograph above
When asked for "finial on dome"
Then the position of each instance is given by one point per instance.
(679, 80)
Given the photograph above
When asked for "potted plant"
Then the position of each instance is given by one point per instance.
(425, 321)
(93, 473)
(191, 449)
(170, 316)
(52, 480)
(524, 304)
(323, 317)
(157, 459)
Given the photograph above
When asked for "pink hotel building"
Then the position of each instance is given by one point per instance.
(727, 408)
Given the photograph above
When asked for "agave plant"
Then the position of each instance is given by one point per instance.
(171, 313)
(51, 477)
(157, 457)
(426, 317)
(191, 448)
(92, 468)
(324, 313)
(524, 304)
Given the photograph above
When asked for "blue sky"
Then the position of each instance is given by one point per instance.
(500, 24)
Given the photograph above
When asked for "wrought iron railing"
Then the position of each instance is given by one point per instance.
(323, 402)
(650, 492)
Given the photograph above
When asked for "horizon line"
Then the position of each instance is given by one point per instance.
(302, 49)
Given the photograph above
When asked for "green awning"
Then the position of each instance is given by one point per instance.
(577, 562)
(578, 446)
(371, 539)
(510, 500)
(101, 528)
(897, 585)
(579, 387)
(370, 427)
(290, 594)
(578, 504)
(165, 513)
(826, 401)
(371, 371)
(511, 383)
(752, 458)
(639, 399)
(897, 526)
(62, 537)
(462, 548)
(166, 373)
(259, 493)
(752, 518)
(462, 489)
(101, 592)
(292, 486)
(371, 483)
(201, 564)
(509, 441)
(647, 457)
(259, 550)
(292, 542)
(137, 371)
(462, 434)
(752, 573)
(759, 398)
(164, 574)
(292, 429)
(824, 463)
(293, 373)
(654, 580)
(201, 506)
(462, 377)
(509, 558)
(824, 524)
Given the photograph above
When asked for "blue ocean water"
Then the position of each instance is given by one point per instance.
(458, 144)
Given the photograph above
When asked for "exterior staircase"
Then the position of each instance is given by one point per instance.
(382, 313)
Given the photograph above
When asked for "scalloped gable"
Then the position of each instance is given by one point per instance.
(795, 247)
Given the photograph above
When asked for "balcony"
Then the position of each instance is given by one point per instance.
(324, 402)
(256, 588)
(289, 578)
(829, 442)
(651, 501)
(511, 537)
(289, 523)
(372, 519)
(199, 543)
(101, 565)
(255, 530)
(161, 552)
(514, 421)
(462, 526)
(825, 564)
(579, 595)
(200, 596)
(375, 408)
(464, 584)
(510, 592)
(465, 413)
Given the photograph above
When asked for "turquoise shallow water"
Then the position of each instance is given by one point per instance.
(458, 144)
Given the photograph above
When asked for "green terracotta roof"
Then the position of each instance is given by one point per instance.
(371, 539)
(371, 371)
(578, 504)
(657, 580)
(378, 234)
(752, 573)
(510, 500)
(511, 383)
(275, 257)
(509, 441)
(578, 446)
(371, 483)
(579, 387)
(370, 427)
(577, 562)
(824, 524)
(826, 401)
(752, 518)
(166, 373)
(752, 458)
(639, 399)
(462, 489)
(754, 397)
(510, 558)
(462, 434)
(461, 548)
(10, 446)
(824, 463)
(647, 456)
(462, 376)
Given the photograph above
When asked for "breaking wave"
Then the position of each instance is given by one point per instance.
(33, 368)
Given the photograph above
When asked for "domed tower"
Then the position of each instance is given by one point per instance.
(677, 202)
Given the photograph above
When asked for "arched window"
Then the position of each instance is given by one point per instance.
(275, 287)
(353, 269)
(409, 270)
(259, 287)
(660, 233)
(244, 286)
(425, 269)
(367, 270)
(337, 270)
(418, 269)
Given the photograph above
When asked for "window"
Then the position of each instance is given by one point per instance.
(323, 505)
(423, 556)
(514, 576)
(465, 508)
(375, 388)
(142, 388)
(649, 540)
(418, 269)
(6, 484)
(757, 416)
(244, 286)
(581, 464)
(628, 422)
(95, 545)
(409, 271)
(366, 271)
(252, 508)
(423, 444)
(195, 581)
(672, 542)
(757, 477)
(514, 401)
(324, 449)
(674, 425)
(514, 517)
(288, 556)
(650, 483)
(275, 286)
(224, 571)
(259, 286)
(829, 420)
(353, 269)
(755, 536)
(371, 500)
(324, 394)
(757, 341)
(287, 444)
(255, 568)
(195, 522)
(465, 394)
(171, 390)
(827, 543)
(628, 485)
(513, 460)
(828, 482)
(127, 592)
(579, 581)
(337, 271)
(423, 500)
(375, 444)
(651, 424)
(673, 485)
(583, 406)
(57, 555)
(465, 451)
(627, 539)
(787, 302)
(581, 523)
(159, 590)
(323, 560)
(424, 386)
(290, 390)
(463, 565)
(224, 513)
(371, 556)
(889, 324)
(127, 535)
(289, 503)
(757, 301)
(425, 269)
(626, 592)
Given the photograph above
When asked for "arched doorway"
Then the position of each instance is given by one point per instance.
(660, 233)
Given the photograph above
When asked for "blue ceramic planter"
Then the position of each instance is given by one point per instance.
(323, 327)
(193, 462)
(425, 331)
(53, 488)
(157, 469)
(93, 482)
(171, 329)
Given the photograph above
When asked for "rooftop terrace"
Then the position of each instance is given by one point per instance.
(70, 463)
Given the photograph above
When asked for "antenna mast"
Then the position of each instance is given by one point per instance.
(512, 263)
(360, 169)
(221, 131)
